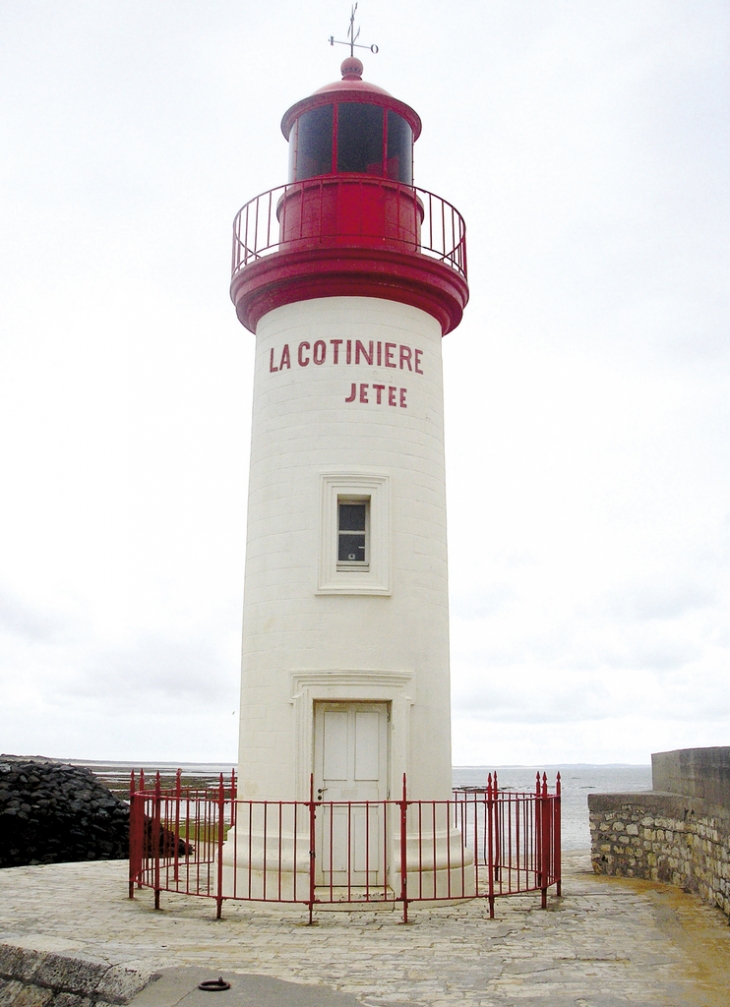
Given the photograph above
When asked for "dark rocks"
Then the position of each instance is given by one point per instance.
(54, 813)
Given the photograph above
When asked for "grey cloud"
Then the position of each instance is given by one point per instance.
(543, 698)
(661, 601)
(156, 670)
(543, 702)
(477, 605)
(589, 647)
(31, 623)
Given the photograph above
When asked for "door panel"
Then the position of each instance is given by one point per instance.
(367, 747)
(351, 768)
(334, 740)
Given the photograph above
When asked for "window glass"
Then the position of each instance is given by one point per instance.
(314, 143)
(293, 142)
(399, 160)
(360, 138)
(351, 531)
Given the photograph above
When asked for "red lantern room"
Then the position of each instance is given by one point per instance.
(350, 222)
(351, 127)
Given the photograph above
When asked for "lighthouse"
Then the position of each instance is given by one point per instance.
(349, 277)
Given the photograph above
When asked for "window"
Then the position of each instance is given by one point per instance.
(311, 144)
(369, 140)
(352, 532)
(399, 155)
(354, 545)
(360, 138)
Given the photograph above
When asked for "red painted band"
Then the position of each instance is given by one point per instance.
(286, 277)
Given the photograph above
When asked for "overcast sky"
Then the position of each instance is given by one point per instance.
(586, 142)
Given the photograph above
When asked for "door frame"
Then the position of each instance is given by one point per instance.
(308, 687)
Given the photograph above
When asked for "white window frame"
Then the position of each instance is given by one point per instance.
(373, 576)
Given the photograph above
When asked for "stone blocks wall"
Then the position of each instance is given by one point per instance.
(30, 978)
(670, 837)
(694, 772)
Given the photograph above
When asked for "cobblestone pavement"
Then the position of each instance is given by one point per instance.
(606, 943)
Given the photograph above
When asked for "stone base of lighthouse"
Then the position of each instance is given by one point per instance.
(274, 866)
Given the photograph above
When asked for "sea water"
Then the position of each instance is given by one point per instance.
(577, 781)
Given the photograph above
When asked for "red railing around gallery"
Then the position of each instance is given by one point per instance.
(349, 211)
(482, 843)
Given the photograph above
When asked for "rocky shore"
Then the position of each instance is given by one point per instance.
(54, 813)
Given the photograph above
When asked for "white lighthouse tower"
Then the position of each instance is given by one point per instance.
(349, 277)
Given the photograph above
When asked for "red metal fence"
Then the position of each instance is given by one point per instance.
(480, 844)
(349, 211)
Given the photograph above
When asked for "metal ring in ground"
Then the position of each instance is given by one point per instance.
(214, 985)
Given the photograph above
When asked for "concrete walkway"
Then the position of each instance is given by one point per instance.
(606, 943)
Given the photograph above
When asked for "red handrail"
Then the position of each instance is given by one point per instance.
(350, 211)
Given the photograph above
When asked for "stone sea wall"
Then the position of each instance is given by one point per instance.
(672, 837)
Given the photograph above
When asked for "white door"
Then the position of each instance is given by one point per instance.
(350, 769)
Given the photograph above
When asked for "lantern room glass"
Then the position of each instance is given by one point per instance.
(399, 149)
(360, 139)
(310, 144)
(369, 140)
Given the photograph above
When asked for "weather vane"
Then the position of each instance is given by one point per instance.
(353, 36)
